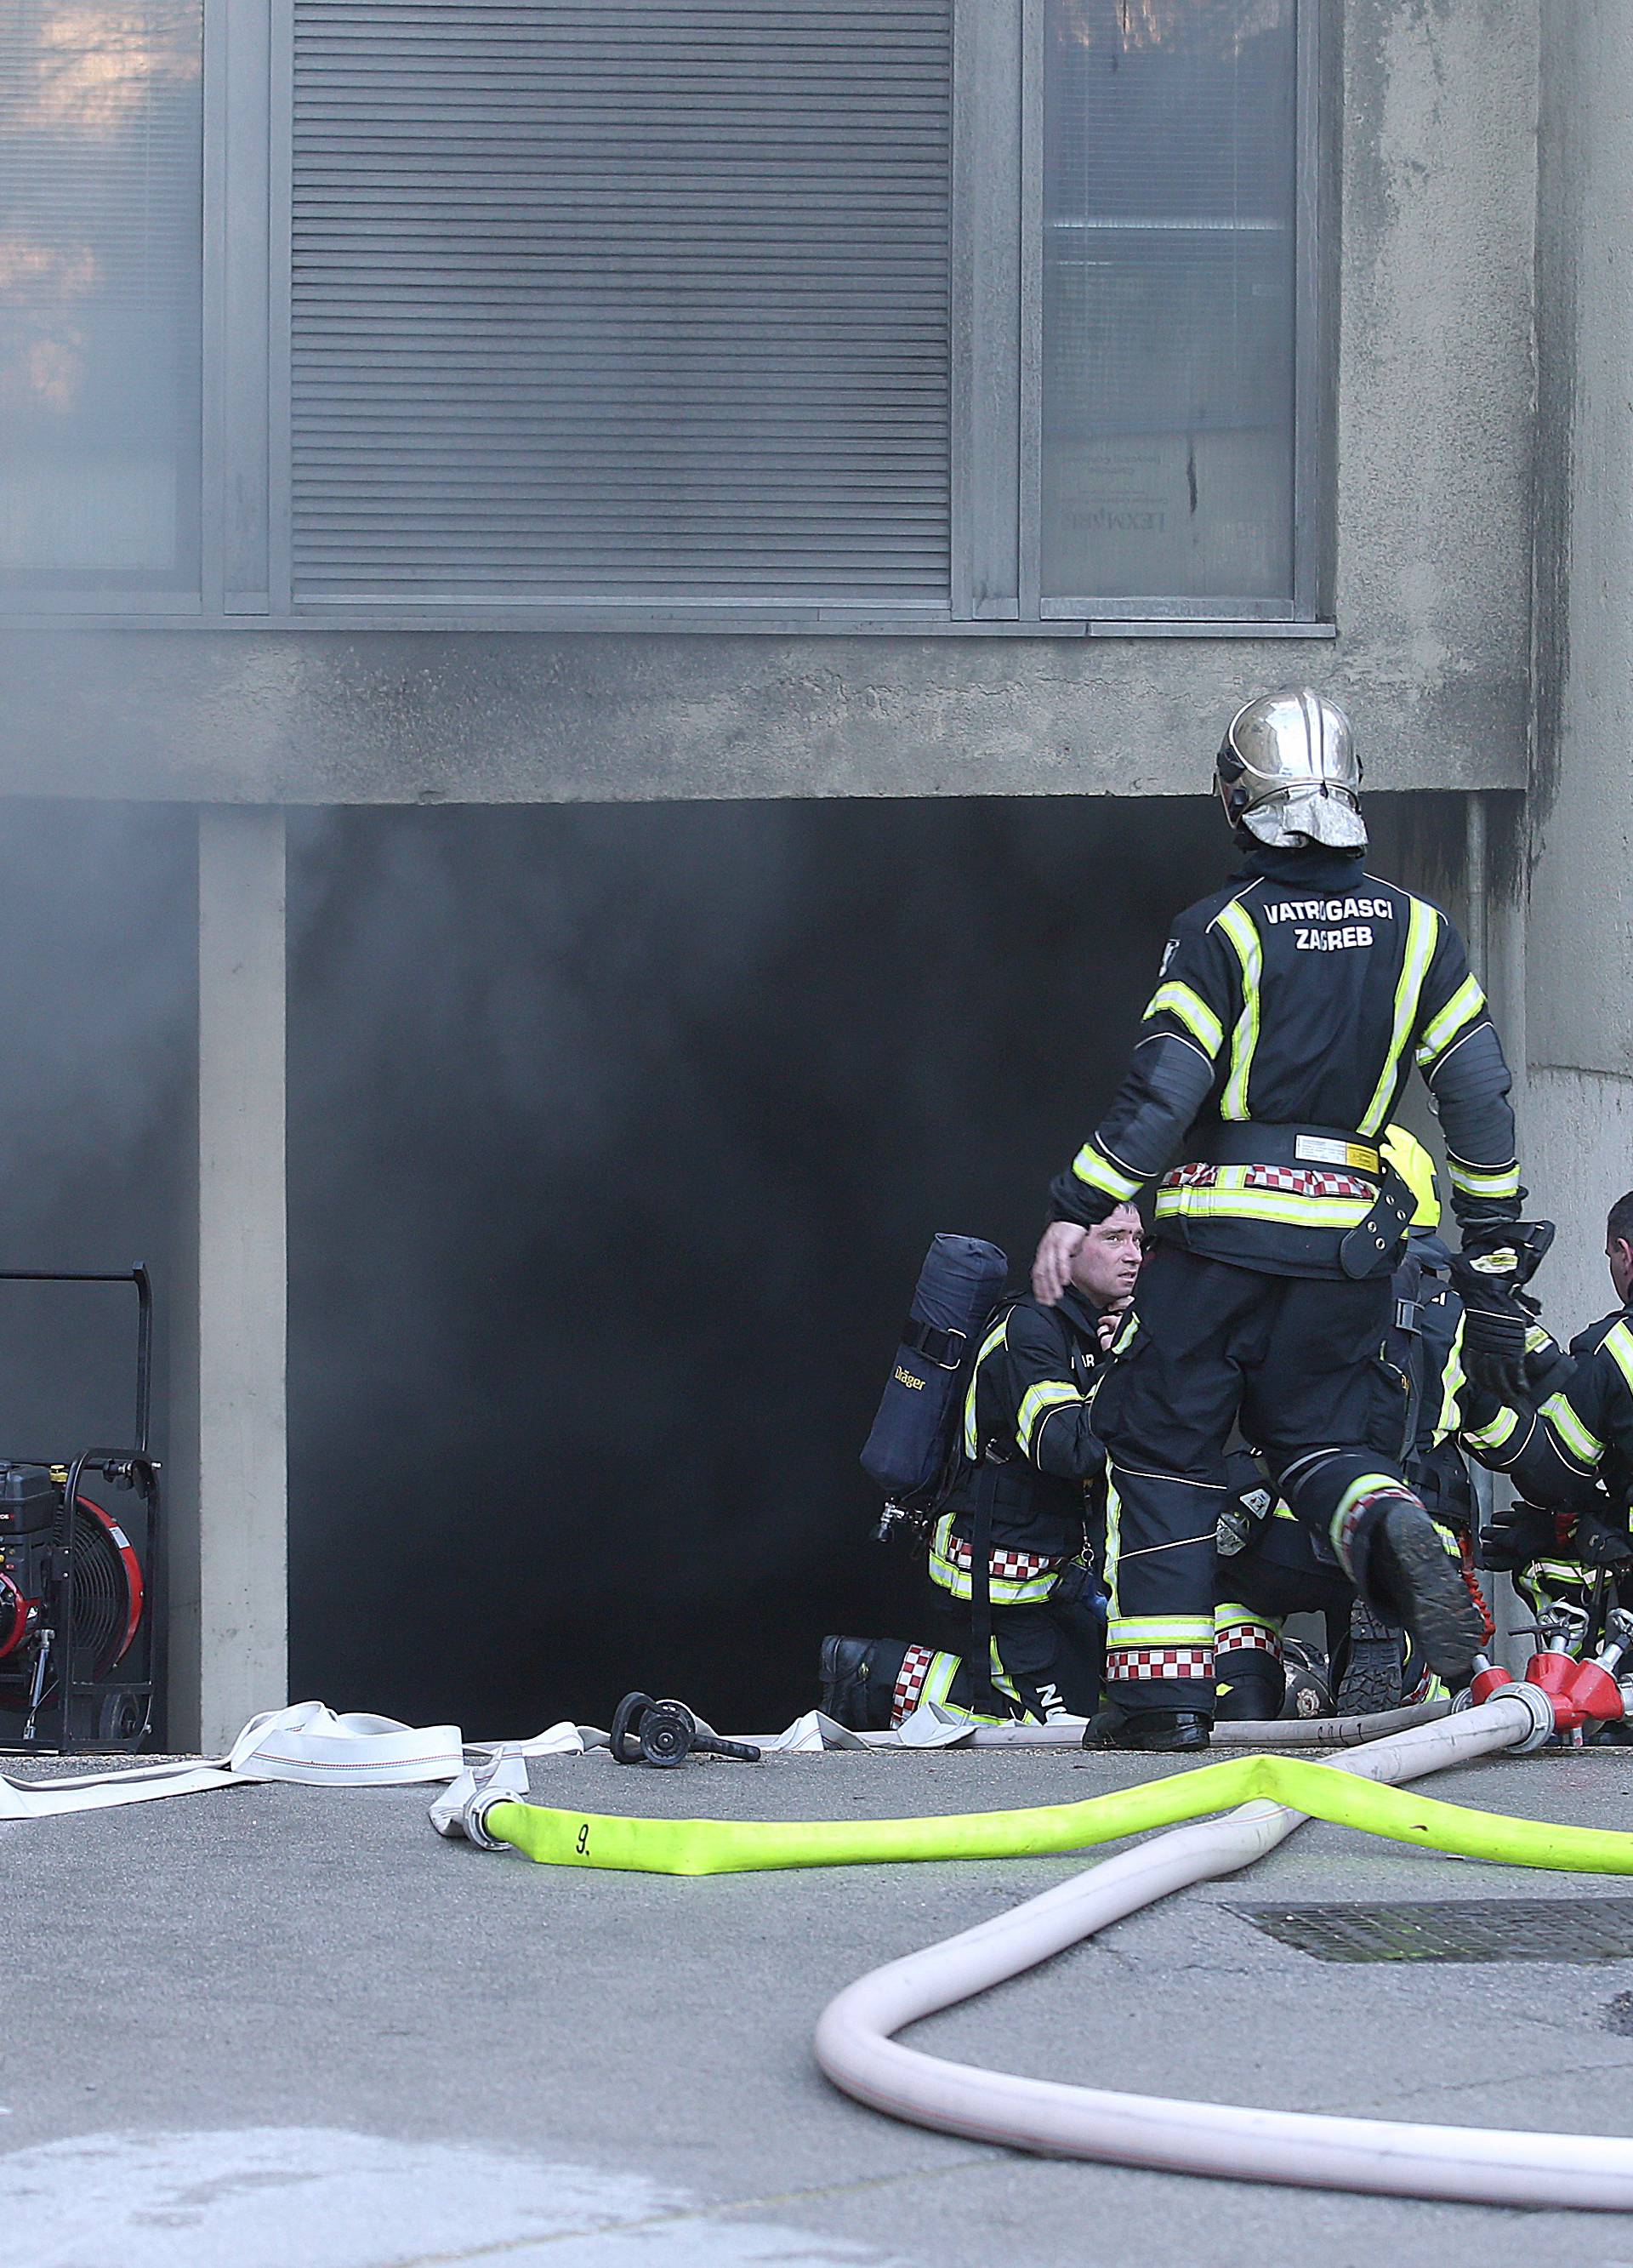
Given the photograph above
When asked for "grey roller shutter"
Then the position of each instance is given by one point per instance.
(622, 300)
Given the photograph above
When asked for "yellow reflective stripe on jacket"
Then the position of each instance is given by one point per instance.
(1114, 1535)
(1492, 1436)
(1453, 1380)
(1465, 1005)
(1422, 927)
(1004, 1590)
(972, 1429)
(1093, 1167)
(1227, 1197)
(1571, 1434)
(1185, 1002)
(1618, 1344)
(1238, 924)
(1484, 1181)
(1035, 1405)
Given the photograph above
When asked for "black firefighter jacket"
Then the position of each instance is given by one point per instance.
(1290, 1008)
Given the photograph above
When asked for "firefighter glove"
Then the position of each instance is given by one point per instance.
(1517, 1536)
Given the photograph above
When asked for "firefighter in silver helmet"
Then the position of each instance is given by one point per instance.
(1287, 1012)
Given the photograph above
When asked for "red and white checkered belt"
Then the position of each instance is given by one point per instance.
(1247, 1638)
(1126, 1665)
(1285, 1181)
(1003, 1565)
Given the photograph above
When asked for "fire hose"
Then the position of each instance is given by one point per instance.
(1273, 1796)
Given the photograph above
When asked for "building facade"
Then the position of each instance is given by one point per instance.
(636, 399)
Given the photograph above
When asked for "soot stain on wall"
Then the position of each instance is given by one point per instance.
(616, 1136)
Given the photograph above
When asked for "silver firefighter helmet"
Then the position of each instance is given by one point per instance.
(1288, 772)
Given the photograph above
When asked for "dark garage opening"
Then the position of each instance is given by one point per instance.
(617, 1138)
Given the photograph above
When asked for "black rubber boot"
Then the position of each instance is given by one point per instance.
(1251, 1690)
(1374, 1659)
(859, 1681)
(1407, 1570)
(1165, 1731)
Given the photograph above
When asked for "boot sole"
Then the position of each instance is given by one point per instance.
(1430, 1592)
(1174, 1744)
(1371, 1678)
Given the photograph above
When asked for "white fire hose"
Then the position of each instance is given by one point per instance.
(856, 2047)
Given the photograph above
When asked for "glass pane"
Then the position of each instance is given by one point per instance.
(101, 266)
(1168, 312)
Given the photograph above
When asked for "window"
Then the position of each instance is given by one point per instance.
(666, 314)
(101, 123)
(1170, 264)
(621, 302)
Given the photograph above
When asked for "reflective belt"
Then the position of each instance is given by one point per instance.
(1299, 1196)
(1017, 1578)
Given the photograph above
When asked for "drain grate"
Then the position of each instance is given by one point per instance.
(1455, 1929)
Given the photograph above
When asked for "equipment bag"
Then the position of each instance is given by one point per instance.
(913, 1449)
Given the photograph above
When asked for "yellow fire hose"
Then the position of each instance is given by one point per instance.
(723, 1847)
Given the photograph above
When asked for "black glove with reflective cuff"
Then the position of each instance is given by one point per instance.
(1496, 1320)
(1520, 1534)
(1496, 1258)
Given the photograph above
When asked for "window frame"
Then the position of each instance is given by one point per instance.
(996, 331)
(1300, 611)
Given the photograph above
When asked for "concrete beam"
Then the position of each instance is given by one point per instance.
(229, 1565)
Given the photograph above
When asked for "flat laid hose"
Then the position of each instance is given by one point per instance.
(855, 2044)
(1300, 1790)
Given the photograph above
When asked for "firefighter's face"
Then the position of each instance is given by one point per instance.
(1107, 1263)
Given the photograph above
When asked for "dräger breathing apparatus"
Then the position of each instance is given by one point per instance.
(914, 1449)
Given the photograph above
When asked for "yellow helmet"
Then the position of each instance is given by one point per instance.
(1416, 1168)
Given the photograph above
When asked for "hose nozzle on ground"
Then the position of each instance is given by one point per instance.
(666, 1733)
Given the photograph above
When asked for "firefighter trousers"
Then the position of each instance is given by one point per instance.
(1290, 1358)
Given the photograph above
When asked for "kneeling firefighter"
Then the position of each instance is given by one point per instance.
(1290, 1008)
(1272, 1565)
(1018, 1615)
(1569, 1451)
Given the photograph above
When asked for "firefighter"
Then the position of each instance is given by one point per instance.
(1289, 1010)
(1030, 1455)
(1272, 1564)
(1569, 1451)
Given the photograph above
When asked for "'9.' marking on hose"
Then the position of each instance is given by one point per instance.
(583, 1844)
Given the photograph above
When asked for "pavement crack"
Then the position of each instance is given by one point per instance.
(1468, 2086)
(771, 2201)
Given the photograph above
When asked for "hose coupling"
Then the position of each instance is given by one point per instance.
(1539, 1706)
(473, 1817)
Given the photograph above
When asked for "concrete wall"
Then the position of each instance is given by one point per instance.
(1578, 1118)
(1432, 141)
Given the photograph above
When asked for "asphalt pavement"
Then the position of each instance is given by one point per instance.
(274, 2027)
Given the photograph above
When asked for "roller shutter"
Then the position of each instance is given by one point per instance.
(622, 301)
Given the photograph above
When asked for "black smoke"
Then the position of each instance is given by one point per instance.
(616, 1136)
